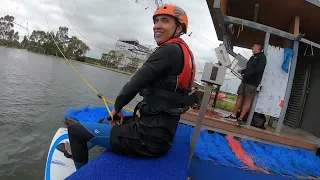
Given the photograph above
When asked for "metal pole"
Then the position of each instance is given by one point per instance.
(28, 30)
(266, 44)
(255, 99)
(202, 113)
(289, 86)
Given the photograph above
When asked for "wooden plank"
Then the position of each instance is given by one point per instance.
(296, 26)
(224, 4)
(249, 131)
(294, 29)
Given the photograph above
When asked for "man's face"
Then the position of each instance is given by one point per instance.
(164, 27)
(256, 48)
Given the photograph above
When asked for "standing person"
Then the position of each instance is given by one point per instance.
(251, 78)
(164, 81)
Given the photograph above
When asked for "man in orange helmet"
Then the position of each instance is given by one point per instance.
(164, 81)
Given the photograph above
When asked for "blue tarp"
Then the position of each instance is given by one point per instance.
(288, 54)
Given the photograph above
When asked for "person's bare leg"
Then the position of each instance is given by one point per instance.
(238, 105)
(246, 107)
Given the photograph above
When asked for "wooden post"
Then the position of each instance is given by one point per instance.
(223, 7)
(294, 29)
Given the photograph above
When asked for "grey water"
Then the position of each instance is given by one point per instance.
(35, 92)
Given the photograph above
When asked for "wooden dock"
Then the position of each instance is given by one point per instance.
(292, 138)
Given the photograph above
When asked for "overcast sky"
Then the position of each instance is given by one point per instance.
(99, 23)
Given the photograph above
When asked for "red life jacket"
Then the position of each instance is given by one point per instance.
(173, 101)
(186, 77)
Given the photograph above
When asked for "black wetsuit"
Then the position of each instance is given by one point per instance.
(152, 134)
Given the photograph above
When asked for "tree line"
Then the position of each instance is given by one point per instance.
(73, 48)
(43, 42)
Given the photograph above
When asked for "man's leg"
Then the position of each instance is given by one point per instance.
(240, 92)
(246, 107)
(82, 133)
(250, 92)
(238, 105)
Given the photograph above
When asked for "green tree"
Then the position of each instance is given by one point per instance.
(8, 36)
(49, 45)
(24, 43)
(37, 39)
(43, 42)
(6, 25)
(76, 49)
(133, 64)
(113, 58)
(62, 36)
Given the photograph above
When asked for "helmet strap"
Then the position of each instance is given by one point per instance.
(174, 34)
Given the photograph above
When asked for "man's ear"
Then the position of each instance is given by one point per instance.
(179, 30)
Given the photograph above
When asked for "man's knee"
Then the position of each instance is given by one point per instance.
(248, 99)
(240, 97)
(78, 130)
(71, 128)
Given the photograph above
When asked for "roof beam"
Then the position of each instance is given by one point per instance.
(259, 26)
(219, 14)
(295, 30)
(310, 42)
(268, 29)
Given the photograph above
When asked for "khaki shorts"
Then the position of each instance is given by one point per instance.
(246, 90)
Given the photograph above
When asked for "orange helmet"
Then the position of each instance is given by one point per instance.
(175, 11)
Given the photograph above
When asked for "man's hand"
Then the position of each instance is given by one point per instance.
(138, 113)
(240, 71)
(117, 117)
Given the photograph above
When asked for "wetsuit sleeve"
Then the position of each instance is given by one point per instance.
(158, 64)
(258, 68)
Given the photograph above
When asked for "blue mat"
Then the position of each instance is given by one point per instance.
(91, 114)
(111, 166)
(204, 170)
(216, 149)
(282, 160)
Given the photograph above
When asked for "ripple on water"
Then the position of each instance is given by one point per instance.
(35, 91)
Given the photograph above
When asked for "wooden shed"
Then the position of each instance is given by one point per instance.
(293, 24)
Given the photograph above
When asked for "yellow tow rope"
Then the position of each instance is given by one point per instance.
(103, 98)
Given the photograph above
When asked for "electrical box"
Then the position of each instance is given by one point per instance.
(223, 56)
(214, 74)
(242, 61)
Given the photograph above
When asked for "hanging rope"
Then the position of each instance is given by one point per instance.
(305, 51)
(97, 93)
(240, 29)
(105, 101)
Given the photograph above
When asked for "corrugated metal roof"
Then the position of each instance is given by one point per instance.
(314, 2)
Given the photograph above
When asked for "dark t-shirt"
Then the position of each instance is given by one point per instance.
(255, 68)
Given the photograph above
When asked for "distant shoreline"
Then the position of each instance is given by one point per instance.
(90, 64)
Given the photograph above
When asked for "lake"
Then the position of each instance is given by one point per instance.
(35, 92)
